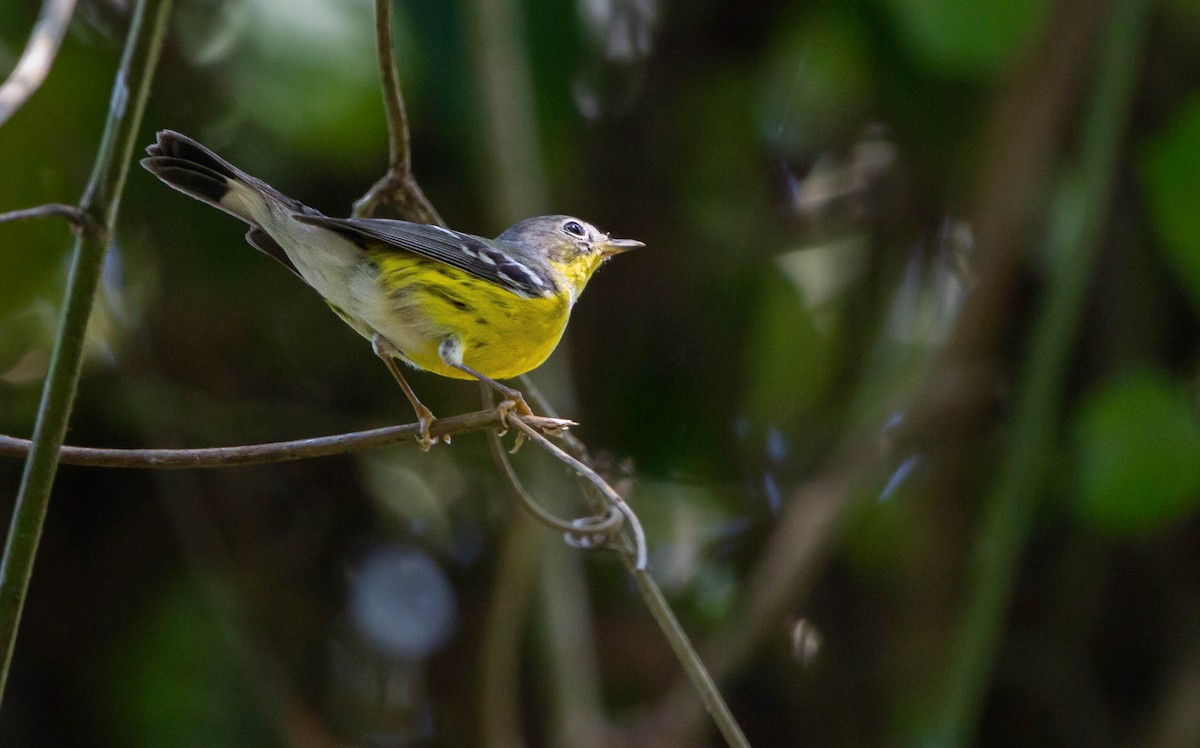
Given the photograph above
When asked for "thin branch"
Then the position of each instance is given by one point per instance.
(574, 445)
(260, 454)
(100, 203)
(785, 568)
(397, 194)
(614, 498)
(39, 54)
(73, 215)
(588, 531)
(602, 530)
(701, 680)
(636, 565)
(698, 675)
(399, 152)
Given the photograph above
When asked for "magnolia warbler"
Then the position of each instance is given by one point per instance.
(447, 302)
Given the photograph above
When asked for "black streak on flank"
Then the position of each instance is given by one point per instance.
(449, 298)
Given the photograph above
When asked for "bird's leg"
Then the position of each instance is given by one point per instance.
(425, 417)
(450, 352)
(387, 353)
(513, 401)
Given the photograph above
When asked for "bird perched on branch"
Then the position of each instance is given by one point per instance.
(455, 304)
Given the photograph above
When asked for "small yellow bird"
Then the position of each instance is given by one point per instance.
(455, 304)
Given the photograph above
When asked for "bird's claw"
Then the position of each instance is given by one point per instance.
(516, 405)
(425, 419)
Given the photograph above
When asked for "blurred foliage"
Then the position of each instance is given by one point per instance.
(1139, 456)
(323, 98)
(964, 39)
(810, 178)
(177, 647)
(1171, 164)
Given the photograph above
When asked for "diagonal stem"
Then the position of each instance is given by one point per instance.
(660, 609)
(100, 202)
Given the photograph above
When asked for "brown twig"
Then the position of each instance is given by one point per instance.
(397, 194)
(572, 444)
(639, 536)
(260, 454)
(73, 215)
(702, 681)
(33, 67)
(635, 563)
(586, 532)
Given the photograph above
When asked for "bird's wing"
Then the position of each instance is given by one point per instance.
(483, 258)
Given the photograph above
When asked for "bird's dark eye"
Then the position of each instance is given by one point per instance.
(574, 229)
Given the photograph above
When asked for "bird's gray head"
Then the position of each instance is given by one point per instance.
(573, 247)
(564, 240)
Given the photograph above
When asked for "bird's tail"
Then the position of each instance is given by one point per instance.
(198, 172)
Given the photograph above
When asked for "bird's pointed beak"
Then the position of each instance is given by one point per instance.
(617, 246)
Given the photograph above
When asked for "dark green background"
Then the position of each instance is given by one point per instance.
(822, 187)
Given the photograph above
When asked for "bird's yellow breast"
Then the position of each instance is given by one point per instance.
(502, 334)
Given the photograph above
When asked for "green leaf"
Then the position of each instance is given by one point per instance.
(968, 37)
(1138, 456)
(1169, 175)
